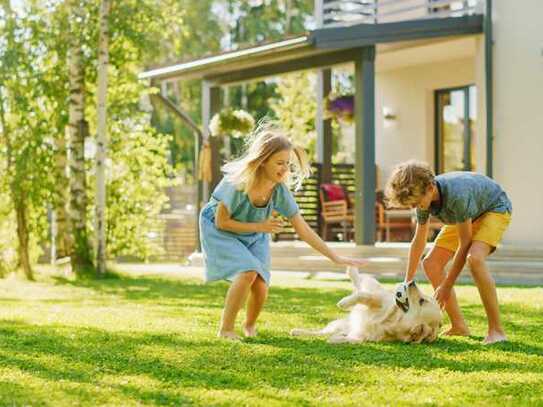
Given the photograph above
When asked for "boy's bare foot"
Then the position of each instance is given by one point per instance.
(494, 337)
(457, 331)
(249, 331)
(230, 335)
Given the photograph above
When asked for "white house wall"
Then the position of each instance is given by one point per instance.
(409, 95)
(518, 114)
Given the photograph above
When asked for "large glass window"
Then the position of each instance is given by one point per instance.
(456, 115)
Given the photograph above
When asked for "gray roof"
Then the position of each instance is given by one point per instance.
(319, 48)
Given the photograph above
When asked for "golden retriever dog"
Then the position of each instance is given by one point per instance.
(379, 315)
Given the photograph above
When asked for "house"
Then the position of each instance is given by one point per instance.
(458, 84)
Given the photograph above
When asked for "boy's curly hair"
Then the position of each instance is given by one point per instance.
(408, 183)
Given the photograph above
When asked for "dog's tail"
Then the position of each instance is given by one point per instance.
(339, 325)
(306, 332)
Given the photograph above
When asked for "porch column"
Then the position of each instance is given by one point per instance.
(324, 127)
(198, 143)
(364, 113)
(489, 83)
(211, 99)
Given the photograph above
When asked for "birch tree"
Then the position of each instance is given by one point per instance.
(80, 253)
(57, 44)
(101, 138)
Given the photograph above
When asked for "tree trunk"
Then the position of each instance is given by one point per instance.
(16, 195)
(80, 253)
(101, 152)
(22, 236)
(18, 201)
(288, 17)
(61, 202)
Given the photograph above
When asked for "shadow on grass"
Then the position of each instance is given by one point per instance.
(14, 394)
(84, 355)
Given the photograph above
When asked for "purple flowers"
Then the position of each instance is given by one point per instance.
(340, 107)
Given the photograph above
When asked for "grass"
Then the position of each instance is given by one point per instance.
(149, 339)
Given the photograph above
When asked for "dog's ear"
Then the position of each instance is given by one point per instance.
(419, 333)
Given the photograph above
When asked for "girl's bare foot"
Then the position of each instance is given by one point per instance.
(495, 337)
(230, 335)
(457, 331)
(249, 331)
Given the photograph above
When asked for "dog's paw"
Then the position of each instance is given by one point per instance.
(346, 302)
(354, 276)
(352, 272)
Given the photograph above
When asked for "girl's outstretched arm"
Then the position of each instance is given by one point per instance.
(309, 236)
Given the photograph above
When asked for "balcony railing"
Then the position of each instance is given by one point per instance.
(330, 13)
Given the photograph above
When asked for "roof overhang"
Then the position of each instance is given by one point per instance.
(224, 62)
(320, 48)
(361, 35)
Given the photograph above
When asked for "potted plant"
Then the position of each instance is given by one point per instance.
(340, 107)
(230, 122)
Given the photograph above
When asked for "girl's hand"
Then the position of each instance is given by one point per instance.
(271, 225)
(347, 261)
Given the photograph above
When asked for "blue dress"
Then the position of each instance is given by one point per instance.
(226, 253)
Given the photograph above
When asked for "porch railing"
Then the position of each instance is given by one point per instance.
(308, 196)
(330, 13)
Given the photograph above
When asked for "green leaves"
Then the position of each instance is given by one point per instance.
(34, 96)
(295, 108)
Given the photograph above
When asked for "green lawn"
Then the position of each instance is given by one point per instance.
(149, 339)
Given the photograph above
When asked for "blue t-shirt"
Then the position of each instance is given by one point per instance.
(465, 195)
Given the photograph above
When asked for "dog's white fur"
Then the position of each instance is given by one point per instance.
(376, 317)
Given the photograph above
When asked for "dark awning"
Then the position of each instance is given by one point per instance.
(371, 34)
(320, 48)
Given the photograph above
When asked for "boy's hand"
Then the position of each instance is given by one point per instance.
(442, 293)
(271, 225)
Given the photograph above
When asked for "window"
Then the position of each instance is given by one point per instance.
(455, 137)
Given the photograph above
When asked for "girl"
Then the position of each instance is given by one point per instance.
(236, 223)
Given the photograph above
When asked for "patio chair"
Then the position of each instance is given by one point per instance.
(335, 210)
(388, 220)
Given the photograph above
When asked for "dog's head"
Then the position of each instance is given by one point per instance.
(420, 314)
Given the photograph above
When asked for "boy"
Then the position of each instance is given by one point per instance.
(476, 212)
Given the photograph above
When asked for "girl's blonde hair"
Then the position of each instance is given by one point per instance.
(266, 140)
(408, 183)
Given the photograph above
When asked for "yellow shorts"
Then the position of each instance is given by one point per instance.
(487, 228)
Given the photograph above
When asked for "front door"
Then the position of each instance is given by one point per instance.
(456, 114)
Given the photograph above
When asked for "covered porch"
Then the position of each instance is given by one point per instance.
(367, 47)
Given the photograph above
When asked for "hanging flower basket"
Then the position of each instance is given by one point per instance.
(339, 107)
(235, 123)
